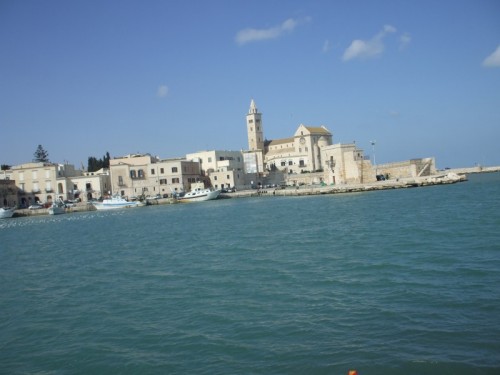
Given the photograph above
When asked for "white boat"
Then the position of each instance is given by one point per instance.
(199, 195)
(115, 202)
(6, 212)
(57, 208)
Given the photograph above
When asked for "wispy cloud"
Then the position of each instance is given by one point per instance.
(254, 35)
(162, 91)
(326, 46)
(404, 40)
(363, 49)
(493, 60)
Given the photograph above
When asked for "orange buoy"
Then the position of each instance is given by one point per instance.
(352, 372)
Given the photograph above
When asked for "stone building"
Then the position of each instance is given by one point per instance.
(346, 164)
(8, 193)
(221, 169)
(310, 157)
(297, 154)
(408, 168)
(91, 185)
(142, 174)
(42, 182)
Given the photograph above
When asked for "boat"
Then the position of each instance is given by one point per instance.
(6, 212)
(57, 208)
(115, 202)
(199, 194)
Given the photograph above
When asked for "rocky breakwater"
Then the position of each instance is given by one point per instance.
(449, 178)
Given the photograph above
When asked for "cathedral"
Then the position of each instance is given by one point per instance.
(309, 157)
(297, 154)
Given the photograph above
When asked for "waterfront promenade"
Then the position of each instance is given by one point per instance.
(445, 177)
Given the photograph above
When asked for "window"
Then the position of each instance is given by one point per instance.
(215, 178)
(175, 180)
(47, 173)
(120, 181)
(162, 170)
(174, 169)
(251, 122)
(163, 181)
(301, 163)
(290, 162)
(152, 171)
(88, 186)
(140, 172)
(283, 163)
(133, 174)
(228, 177)
(35, 175)
(209, 160)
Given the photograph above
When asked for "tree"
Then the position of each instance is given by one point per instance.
(95, 164)
(5, 167)
(41, 155)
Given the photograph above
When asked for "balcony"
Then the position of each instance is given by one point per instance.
(35, 191)
(49, 190)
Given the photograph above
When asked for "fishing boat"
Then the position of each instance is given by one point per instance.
(115, 202)
(199, 194)
(6, 212)
(57, 208)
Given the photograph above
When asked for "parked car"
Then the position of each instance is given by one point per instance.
(35, 206)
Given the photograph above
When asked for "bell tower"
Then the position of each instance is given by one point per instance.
(254, 129)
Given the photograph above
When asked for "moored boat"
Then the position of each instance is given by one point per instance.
(6, 212)
(115, 202)
(57, 208)
(200, 194)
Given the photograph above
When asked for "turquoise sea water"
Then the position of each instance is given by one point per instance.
(384, 282)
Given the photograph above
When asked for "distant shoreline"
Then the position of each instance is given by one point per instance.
(448, 176)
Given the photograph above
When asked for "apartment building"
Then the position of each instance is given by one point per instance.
(91, 185)
(142, 174)
(223, 169)
(42, 182)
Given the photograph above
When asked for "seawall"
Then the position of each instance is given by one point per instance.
(448, 178)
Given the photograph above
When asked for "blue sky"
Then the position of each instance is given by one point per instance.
(422, 78)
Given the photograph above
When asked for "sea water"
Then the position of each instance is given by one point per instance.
(385, 282)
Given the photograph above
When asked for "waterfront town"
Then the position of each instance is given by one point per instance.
(307, 158)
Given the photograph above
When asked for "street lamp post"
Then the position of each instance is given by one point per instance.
(373, 151)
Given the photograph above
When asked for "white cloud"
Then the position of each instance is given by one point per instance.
(389, 29)
(253, 35)
(162, 91)
(493, 60)
(368, 48)
(404, 40)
